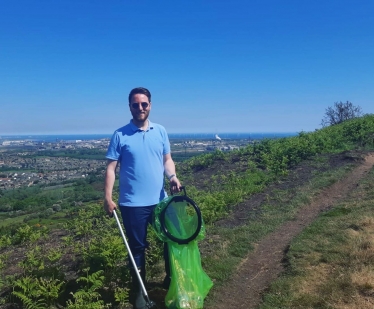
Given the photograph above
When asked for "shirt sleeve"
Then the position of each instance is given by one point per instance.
(114, 148)
(166, 143)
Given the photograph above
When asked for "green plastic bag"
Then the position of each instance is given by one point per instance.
(177, 221)
(189, 283)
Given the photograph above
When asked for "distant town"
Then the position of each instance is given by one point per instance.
(24, 162)
(58, 144)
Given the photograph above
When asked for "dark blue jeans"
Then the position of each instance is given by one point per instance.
(135, 221)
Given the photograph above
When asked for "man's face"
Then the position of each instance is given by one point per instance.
(138, 108)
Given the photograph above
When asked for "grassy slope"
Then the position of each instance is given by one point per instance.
(226, 245)
(218, 183)
(331, 263)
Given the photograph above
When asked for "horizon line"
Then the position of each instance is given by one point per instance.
(213, 133)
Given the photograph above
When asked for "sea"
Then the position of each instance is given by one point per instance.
(179, 136)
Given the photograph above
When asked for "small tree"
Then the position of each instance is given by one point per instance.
(340, 112)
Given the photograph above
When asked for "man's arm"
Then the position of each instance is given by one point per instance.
(169, 168)
(110, 177)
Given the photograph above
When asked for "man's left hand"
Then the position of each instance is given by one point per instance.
(175, 184)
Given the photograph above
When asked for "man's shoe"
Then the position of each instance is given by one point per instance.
(140, 302)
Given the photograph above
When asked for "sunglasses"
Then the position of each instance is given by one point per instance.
(137, 105)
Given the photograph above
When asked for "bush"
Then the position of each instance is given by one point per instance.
(56, 207)
(340, 112)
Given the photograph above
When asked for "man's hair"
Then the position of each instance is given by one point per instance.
(140, 90)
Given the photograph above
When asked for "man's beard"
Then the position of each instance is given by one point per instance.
(141, 117)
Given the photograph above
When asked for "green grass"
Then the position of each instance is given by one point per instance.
(12, 221)
(230, 245)
(54, 221)
(331, 264)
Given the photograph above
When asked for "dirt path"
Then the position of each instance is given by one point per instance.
(264, 264)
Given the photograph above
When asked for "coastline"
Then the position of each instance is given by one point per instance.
(184, 136)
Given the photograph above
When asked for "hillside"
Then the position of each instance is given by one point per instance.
(268, 259)
(254, 202)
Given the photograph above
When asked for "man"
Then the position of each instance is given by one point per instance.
(142, 150)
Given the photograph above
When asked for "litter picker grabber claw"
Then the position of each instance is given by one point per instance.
(150, 304)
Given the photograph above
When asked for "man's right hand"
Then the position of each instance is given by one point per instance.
(109, 207)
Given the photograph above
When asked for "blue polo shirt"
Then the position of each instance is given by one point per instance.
(141, 157)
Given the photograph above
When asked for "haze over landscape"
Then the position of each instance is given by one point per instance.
(212, 66)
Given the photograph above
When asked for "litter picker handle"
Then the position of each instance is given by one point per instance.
(181, 188)
(131, 256)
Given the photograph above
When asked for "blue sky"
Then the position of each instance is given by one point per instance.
(212, 66)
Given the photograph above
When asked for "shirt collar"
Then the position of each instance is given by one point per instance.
(135, 128)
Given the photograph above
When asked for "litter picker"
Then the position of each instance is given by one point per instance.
(150, 304)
